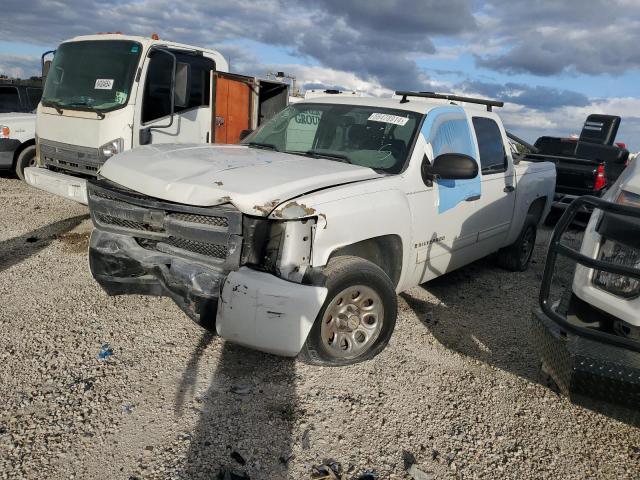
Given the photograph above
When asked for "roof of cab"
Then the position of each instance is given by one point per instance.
(145, 41)
(415, 104)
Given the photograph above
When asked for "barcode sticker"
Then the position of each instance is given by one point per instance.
(386, 118)
(103, 84)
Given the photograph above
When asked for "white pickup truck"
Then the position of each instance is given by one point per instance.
(589, 341)
(18, 126)
(302, 236)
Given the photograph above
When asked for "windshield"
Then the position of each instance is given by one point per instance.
(379, 138)
(92, 75)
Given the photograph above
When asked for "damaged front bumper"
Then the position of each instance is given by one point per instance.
(254, 309)
(121, 266)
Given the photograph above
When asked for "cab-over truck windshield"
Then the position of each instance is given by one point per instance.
(92, 75)
(379, 138)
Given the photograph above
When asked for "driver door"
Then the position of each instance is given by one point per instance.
(191, 120)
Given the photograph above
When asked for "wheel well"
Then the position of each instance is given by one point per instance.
(536, 209)
(384, 251)
(19, 150)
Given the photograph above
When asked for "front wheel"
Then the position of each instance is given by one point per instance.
(26, 158)
(358, 316)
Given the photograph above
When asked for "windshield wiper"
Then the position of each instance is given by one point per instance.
(268, 146)
(320, 153)
(56, 105)
(85, 104)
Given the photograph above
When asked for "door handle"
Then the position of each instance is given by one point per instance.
(472, 199)
(509, 189)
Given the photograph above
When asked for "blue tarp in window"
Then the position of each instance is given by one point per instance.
(447, 130)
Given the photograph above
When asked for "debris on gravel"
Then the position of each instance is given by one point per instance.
(458, 386)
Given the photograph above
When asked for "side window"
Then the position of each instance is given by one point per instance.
(157, 101)
(34, 95)
(9, 99)
(493, 158)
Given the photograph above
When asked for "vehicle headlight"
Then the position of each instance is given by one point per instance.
(619, 285)
(4, 131)
(109, 149)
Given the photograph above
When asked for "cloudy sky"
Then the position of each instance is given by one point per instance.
(553, 62)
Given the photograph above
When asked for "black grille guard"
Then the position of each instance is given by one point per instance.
(557, 248)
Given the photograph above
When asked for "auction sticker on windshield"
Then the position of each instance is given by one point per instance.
(386, 118)
(103, 84)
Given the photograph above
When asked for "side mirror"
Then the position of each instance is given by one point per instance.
(181, 89)
(145, 136)
(449, 166)
(245, 133)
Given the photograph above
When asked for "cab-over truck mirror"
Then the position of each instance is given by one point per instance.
(449, 166)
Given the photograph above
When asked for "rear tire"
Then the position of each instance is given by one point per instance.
(516, 257)
(358, 316)
(26, 158)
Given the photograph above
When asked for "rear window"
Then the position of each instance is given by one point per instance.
(9, 100)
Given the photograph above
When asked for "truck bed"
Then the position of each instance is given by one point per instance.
(574, 176)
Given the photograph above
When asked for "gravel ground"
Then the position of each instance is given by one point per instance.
(458, 386)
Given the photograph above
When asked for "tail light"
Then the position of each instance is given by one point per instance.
(601, 180)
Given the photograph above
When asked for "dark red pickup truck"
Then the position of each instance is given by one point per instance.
(587, 165)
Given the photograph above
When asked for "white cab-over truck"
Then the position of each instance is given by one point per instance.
(18, 126)
(298, 240)
(108, 93)
(589, 340)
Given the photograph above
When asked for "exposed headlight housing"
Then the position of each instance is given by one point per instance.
(4, 131)
(280, 247)
(109, 149)
(619, 285)
(628, 198)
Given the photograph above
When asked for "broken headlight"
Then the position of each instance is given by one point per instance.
(279, 247)
(619, 285)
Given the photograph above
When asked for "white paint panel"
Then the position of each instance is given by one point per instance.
(264, 312)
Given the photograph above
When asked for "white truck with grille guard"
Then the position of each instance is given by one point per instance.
(298, 240)
(108, 93)
(589, 340)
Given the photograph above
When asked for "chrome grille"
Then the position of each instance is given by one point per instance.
(212, 233)
(203, 219)
(124, 223)
(201, 248)
(70, 157)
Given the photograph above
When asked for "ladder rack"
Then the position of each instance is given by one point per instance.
(457, 98)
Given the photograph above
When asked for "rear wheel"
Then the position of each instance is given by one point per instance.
(26, 158)
(516, 257)
(358, 316)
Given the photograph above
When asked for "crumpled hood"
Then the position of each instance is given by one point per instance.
(254, 180)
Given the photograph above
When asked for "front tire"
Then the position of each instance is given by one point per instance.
(358, 316)
(516, 257)
(26, 158)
